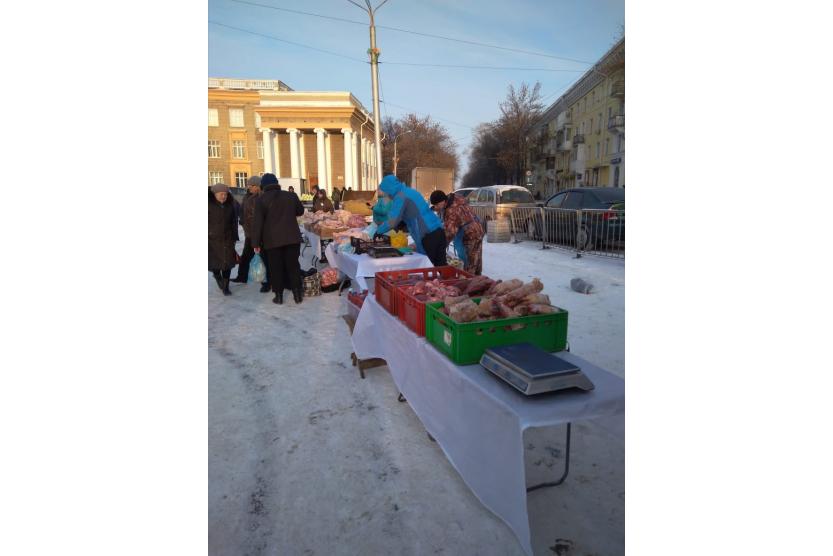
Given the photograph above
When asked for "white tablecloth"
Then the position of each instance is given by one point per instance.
(314, 242)
(478, 420)
(361, 267)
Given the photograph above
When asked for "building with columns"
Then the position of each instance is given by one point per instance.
(257, 126)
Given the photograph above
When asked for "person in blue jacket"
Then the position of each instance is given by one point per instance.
(407, 205)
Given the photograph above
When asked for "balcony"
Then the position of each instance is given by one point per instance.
(577, 166)
(618, 89)
(616, 123)
(578, 139)
(562, 120)
(565, 145)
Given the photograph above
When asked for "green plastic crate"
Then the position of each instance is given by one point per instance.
(464, 343)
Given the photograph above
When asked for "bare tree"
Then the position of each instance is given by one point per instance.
(426, 143)
(518, 112)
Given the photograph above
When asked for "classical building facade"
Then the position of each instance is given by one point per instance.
(258, 126)
(580, 138)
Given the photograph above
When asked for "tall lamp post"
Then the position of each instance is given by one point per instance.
(395, 157)
(374, 78)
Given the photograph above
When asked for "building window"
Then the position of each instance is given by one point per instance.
(215, 177)
(240, 179)
(238, 149)
(619, 141)
(607, 146)
(260, 150)
(257, 120)
(598, 149)
(213, 149)
(609, 112)
(590, 127)
(599, 130)
(235, 116)
(213, 118)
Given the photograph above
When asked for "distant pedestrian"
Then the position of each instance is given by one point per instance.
(248, 216)
(463, 228)
(321, 202)
(222, 235)
(276, 232)
(336, 196)
(409, 207)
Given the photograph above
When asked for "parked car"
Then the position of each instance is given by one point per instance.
(603, 218)
(502, 198)
(464, 192)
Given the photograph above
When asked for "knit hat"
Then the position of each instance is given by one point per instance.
(254, 180)
(268, 179)
(219, 188)
(437, 197)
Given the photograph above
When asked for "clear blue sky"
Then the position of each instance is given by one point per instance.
(577, 29)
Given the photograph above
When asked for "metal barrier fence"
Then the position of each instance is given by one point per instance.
(589, 231)
(484, 213)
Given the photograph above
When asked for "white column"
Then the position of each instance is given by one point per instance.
(268, 164)
(348, 152)
(276, 152)
(354, 165)
(328, 161)
(303, 154)
(294, 152)
(322, 158)
(365, 166)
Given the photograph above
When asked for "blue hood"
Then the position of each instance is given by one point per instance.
(391, 186)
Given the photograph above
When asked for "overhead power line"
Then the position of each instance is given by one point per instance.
(457, 66)
(480, 67)
(286, 41)
(430, 35)
(431, 115)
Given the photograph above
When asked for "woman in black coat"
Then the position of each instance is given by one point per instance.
(222, 235)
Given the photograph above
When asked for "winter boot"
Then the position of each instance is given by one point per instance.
(226, 291)
(278, 298)
(298, 294)
(240, 279)
(265, 287)
(219, 280)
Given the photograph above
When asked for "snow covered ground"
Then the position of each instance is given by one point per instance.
(307, 458)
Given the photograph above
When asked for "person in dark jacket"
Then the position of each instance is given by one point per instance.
(246, 219)
(337, 196)
(276, 232)
(321, 202)
(408, 206)
(222, 235)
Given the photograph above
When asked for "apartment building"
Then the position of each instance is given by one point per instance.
(258, 126)
(580, 138)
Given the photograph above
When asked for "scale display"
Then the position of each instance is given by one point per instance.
(531, 370)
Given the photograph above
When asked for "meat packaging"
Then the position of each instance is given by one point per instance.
(465, 311)
(506, 287)
(478, 285)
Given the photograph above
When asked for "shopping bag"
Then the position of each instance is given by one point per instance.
(257, 270)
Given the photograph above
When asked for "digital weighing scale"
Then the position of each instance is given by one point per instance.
(531, 370)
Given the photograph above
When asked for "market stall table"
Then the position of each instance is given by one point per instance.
(478, 420)
(316, 243)
(361, 267)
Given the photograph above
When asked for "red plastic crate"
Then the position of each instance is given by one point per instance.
(356, 299)
(410, 310)
(386, 282)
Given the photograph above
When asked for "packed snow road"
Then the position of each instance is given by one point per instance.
(306, 458)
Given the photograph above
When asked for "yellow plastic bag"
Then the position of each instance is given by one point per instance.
(398, 239)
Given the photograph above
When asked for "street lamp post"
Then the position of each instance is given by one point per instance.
(374, 78)
(395, 157)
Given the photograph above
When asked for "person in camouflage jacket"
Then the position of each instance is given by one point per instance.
(462, 227)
